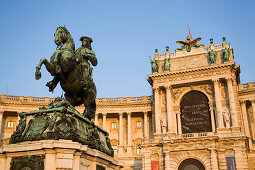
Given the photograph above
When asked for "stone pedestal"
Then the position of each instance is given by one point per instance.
(54, 154)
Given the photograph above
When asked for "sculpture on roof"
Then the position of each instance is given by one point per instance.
(166, 65)
(189, 43)
(154, 65)
(225, 54)
(72, 69)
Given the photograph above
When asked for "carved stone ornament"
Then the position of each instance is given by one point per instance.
(61, 121)
(28, 162)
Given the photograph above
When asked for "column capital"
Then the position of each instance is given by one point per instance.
(215, 80)
(145, 112)
(104, 114)
(129, 113)
(120, 113)
(242, 101)
(168, 87)
(155, 88)
(96, 114)
(253, 101)
(229, 78)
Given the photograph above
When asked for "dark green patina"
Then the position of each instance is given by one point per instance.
(60, 120)
(72, 69)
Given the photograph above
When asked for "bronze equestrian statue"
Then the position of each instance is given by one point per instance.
(72, 69)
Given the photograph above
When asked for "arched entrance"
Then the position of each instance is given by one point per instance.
(195, 114)
(191, 164)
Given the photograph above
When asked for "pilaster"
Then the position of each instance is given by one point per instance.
(145, 124)
(232, 102)
(214, 161)
(169, 109)
(157, 109)
(245, 119)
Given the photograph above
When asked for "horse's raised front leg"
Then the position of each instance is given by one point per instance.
(38, 74)
(49, 66)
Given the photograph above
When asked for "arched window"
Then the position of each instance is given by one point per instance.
(195, 114)
(191, 163)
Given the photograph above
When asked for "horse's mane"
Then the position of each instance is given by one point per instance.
(70, 38)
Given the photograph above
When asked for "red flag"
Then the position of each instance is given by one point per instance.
(190, 33)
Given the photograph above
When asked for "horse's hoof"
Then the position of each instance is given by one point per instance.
(38, 75)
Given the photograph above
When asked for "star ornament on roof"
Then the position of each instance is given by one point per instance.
(188, 43)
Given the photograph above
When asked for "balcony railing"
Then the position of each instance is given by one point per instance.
(47, 100)
(247, 86)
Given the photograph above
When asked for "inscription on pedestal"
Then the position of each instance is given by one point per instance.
(195, 114)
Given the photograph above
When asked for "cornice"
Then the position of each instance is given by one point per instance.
(193, 70)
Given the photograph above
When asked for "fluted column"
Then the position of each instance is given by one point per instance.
(232, 102)
(96, 118)
(120, 152)
(214, 161)
(169, 109)
(245, 118)
(253, 110)
(104, 120)
(145, 124)
(157, 110)
(129, 141)
(212, 117)
(218, 103)
(179, 123)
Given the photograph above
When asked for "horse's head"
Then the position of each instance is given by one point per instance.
(61, 35)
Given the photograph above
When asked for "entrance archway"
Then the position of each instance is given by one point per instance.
(191, 164)
(195, 114)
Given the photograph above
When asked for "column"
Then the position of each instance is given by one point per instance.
(104, 120)
(169, 109)
(218, 103)
(50, 159)
(232, 102)
(145, 124)
(77, 160)
(96, 118)
(157, 110)
(253, 109)
(214, 162)
(120, 152)
(129, 141)
(1, 124)
(245, 118)
(212, 117)
(179, 123)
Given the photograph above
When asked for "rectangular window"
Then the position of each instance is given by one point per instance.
(10, 124)
(138, 124)
(114, 125)
(231, 163)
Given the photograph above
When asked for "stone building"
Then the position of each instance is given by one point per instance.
(199, 115)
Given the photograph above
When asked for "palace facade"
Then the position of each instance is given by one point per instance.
(198, 117)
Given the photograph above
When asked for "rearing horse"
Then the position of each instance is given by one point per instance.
(68, 70)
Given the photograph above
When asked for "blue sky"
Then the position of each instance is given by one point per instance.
(125, 34)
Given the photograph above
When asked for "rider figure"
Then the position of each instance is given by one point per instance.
(85, 54)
